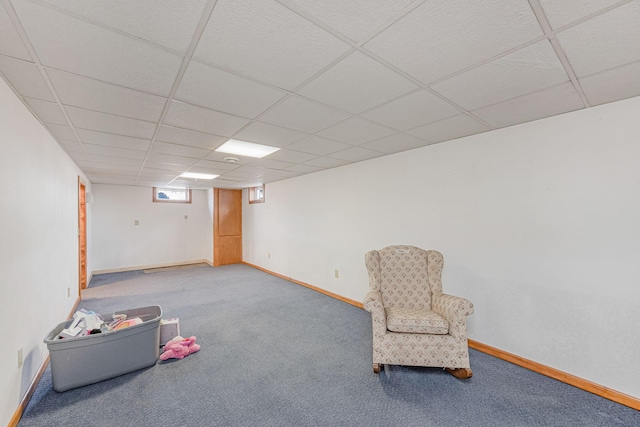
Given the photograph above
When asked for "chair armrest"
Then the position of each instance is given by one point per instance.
(373, 304)
(454, 309)
(457, 306)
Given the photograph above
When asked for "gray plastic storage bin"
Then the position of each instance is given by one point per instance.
(76, 362)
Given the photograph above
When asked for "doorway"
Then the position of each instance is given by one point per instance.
(227, 226)
(82, 235)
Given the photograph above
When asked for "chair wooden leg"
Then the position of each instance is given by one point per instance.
(462, 373)
(377, 367)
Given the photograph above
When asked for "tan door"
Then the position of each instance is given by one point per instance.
(82, 234)
(227, 227)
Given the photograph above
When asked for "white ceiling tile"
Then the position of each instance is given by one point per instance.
(236, 175)
(189, 137)
(155, 174)
(318, 145)
(548, 102)
(444, 36)
(449, 128)
(259, 40)
(564, 12)
(102, 150)
(158, 174)
(612, 85)
(168, 167)
(69, 44)
(356, 154)
(71, 146)
(179, 150)
(223, 176)
(291, 156)
(220, 157)
(264, 133)
(26, 78)
(113, 140)
(327, 162)
(356, 131)
(165, 22)
(300, 114)
(79, 156)
(200, 119)
(415, 109)
(184, 182)
(606, 41)
(48, 112)
(84, 165)
(209, 164)
(113, 167)
(270, 163)
(171, 159)
(98, 158)
(62, 132)
(395, 143)
(357, 83)
(526, 70)
(114, 179)
(354, 19)
(121, 172)
(151, 183)
(80, 91)
(304, 168)
(271, 175)
(94, 120)
(201, 185)
(211, 88)
(222, 183)
(10, 41)
(250, 171)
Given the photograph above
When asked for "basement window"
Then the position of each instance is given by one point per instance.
(171, 195)
(256, 194)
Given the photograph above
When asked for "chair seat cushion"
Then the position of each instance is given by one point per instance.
(416, 320)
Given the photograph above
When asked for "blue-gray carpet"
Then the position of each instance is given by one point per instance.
(278, 354)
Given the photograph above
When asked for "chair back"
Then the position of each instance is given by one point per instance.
(406, 276)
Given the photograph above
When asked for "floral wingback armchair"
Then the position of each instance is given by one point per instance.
(413, 322)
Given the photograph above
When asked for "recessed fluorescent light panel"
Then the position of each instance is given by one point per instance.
(243, 148)
(195, 175)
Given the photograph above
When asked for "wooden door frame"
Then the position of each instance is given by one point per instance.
(217, 238)
(82, 234)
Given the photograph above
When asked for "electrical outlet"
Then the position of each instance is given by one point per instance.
(269, 255)
(20, 359)
(336, 274)
(68, 292)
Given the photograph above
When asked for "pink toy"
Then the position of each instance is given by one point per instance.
(179, 347)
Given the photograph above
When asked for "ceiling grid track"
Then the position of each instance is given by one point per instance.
(137, 93)
(25, 40)
(183, 68)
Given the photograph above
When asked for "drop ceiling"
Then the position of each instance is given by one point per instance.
(137, 92)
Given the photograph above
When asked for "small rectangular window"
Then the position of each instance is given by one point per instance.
(171, 195)
(256, 194)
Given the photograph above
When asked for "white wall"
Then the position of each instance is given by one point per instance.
(38, 243)
(538, 223)
(164, 236)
